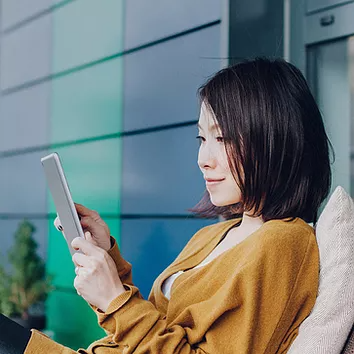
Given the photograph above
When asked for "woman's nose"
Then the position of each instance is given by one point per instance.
(206, 159)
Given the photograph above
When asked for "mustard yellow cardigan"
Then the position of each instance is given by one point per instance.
(250, 299)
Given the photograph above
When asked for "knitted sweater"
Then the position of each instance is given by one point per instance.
(250, 299)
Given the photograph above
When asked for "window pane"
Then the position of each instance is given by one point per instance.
(86, 30)
(87, 103)
(93, 172)
(161, 82)
(21, 60)
(160, 172)
(24, 118)
(14, 11)
(147, 21)
(22, 184)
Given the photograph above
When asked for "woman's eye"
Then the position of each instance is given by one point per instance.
(220, 139)
(200, 138)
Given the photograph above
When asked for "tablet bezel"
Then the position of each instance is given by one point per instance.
(62, 198)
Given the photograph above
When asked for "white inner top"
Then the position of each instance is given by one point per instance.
(167, 284)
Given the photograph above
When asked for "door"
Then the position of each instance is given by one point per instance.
(330, 73)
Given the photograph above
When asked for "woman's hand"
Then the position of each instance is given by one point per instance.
(97, 279)
(92, 222)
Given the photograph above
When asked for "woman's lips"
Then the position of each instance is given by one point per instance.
(212, 182)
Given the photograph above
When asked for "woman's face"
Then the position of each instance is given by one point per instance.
(212, 161)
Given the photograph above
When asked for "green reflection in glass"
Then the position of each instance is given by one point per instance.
(85, 104)
(69, 315)
(88, 103)
(93, 173)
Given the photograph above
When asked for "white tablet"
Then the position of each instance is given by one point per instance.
(63, 202)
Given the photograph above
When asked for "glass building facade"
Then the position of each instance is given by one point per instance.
(112, 87)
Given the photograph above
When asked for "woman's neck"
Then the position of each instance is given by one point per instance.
(250, 223)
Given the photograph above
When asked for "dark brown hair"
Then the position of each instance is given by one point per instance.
(275, 140)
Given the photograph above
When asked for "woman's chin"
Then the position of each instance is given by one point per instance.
(222, 202)
(219, 202)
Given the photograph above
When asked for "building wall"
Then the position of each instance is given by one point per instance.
(256, 30)
(111, 86)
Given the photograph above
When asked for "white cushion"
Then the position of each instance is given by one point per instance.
(327, 327)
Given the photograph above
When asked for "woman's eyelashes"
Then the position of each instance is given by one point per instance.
(201, 139)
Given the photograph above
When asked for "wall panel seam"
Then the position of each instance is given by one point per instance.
(38, 81)
(32, 149)
(35, 17)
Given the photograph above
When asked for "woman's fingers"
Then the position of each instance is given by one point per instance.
(91, 228)
(83, 211)
(86, 247)
(81, 260)
(92, 222)
(87, 222)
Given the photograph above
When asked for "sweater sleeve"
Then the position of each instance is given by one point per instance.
(124, 268)
(258, 312)
(40, 343)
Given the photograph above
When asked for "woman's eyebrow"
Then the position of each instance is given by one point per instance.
(214, 127)
(211, 128)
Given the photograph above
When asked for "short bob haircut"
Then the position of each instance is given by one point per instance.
(275, 140)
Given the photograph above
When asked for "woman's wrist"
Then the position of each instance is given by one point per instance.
(117, 292)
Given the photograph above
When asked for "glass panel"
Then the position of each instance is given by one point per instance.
(25, 118)
(256, 30)
(14, 11)
(144, 18)
(87, 103)
(22, 184)
(73, 322)
(93, 172)
(21, 60)
(162, 238)
(161, 82)
(160, 172)
(87, 30)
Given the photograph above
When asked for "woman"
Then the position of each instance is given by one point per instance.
(243, 285)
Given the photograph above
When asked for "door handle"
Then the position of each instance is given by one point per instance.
(327, 20)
